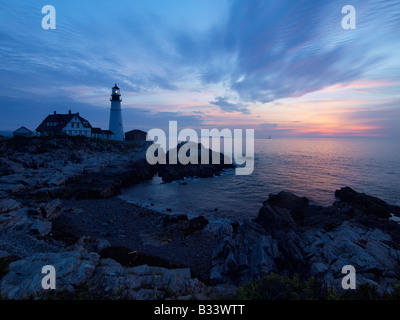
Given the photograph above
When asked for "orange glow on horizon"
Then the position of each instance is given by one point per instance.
(345, 109)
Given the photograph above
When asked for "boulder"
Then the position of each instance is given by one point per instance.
(242, 253)
(50, 210)
(24, 279)
(372, 252)
(90, 244)
(108, 278)
(165, 283)
(196, 224)
(290, 237)
(7, 205)
(41, 228)
(181, 222)
(174, 170)
(288, 201)
(5, 260)
(131, 258)
(17, 219)
(108, 181)
(365, 203)
(275, 219)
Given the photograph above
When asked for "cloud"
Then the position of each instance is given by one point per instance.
(224, 105)
(269, 50)
(245, 57)
(146, 120)
(268, 126)
(290, 48)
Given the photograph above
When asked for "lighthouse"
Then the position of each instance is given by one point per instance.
(116, 115)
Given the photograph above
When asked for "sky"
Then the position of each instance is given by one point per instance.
(285, 68)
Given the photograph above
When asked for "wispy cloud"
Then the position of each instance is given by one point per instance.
(225, 105)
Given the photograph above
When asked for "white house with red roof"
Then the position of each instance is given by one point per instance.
(71, 124)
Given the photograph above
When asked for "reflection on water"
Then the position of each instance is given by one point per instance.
(314, 168)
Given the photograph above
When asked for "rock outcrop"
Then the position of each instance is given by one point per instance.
(82, 168)
(69, 167)
(83, 274)
(290, 236)
(175, 170)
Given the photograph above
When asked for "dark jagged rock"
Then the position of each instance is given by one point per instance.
(182, 223)
(5, 261)
(197, 223)
(108, 182)
(243, 252)
(70, 167)
(82, 168)
(288, 201)
(275, 219)
(176, 171)
(363, 202)
(130, 258)
(290, 236)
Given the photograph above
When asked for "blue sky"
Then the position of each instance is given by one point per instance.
(285, 68)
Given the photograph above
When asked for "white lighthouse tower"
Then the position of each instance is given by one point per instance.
(116, 115)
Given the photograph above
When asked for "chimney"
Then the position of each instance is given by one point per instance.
(55, 112)
(69, 111)
(77, 114)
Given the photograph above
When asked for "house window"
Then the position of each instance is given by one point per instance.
(77, 124)
(72, 124)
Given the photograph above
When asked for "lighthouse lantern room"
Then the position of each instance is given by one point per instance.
(116, 114)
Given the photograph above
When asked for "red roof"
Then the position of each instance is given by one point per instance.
(62, 120)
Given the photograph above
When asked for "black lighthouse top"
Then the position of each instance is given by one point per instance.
(116, 94)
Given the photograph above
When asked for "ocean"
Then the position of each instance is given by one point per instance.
(313, 168)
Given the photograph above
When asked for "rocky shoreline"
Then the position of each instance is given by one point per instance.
(58, 206)
(290, 236)
(45, 183)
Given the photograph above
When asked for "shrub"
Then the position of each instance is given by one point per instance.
(278, 287)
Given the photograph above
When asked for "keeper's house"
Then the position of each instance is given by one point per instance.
(71, 124)
(23, 132)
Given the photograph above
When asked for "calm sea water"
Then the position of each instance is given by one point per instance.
(313, 168)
